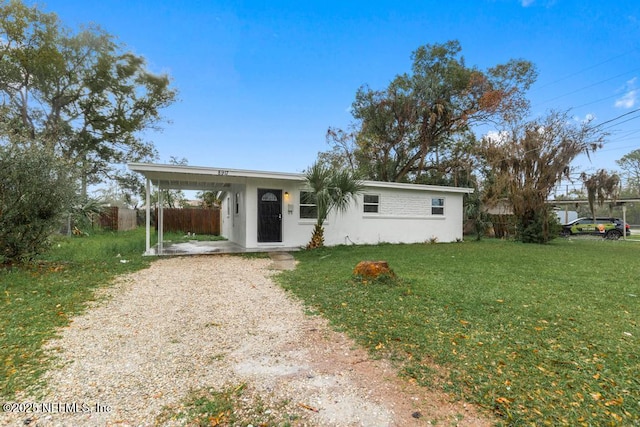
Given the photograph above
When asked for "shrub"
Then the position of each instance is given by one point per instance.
(35, 189)
(541, 228)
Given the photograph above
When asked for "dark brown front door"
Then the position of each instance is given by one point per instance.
(269, 215)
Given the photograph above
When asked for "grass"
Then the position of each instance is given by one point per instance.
(38, 298)
(232, 406)
(635, 234)
(533, 334)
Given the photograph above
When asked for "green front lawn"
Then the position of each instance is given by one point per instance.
(533, 334)
(38, 298)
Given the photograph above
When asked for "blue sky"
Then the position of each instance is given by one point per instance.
(261, 81)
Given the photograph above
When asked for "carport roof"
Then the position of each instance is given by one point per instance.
(180, 177)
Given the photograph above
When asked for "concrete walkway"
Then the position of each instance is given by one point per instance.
(282, 261)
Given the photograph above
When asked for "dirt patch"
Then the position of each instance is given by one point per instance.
(218, 321)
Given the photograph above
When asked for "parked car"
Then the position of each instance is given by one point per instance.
(609, 228)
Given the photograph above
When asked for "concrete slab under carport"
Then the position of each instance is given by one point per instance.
(196, 247)
(280, 256)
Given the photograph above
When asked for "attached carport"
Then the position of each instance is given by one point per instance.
(179, 177)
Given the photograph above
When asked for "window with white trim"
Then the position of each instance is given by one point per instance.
(308, 207)
(437, 206)
(371, 203)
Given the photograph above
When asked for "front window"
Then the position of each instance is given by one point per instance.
(437, 206)
(371, 203)
(308, 207)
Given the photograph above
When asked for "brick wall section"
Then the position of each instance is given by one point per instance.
(404, 204)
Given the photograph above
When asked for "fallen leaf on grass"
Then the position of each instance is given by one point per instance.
(615, 402)
(503, 400)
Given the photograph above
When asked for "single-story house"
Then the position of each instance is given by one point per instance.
(269, 210)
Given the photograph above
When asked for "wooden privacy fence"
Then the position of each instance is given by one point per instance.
(118, 219)
(199, 221)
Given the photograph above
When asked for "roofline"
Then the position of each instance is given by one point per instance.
(213, 171)
(153, 168)
(423, 187)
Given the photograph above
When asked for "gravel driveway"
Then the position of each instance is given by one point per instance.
(212, 322)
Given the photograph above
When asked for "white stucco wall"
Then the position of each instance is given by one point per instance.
(404, 213)
(404, 216)
(233, 224)
(292, 236)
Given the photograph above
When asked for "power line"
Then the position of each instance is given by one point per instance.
(617, 118)
(624, 121)
(587, 69)
(616, 149)
(596, 101)
(589, 86)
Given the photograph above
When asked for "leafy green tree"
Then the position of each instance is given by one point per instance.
(115, 195)
(331, 189)
(526, 161)
(408, 132)
(171, 198)
(35, 191)
(630, 165)
(79, 95)
(210, 199)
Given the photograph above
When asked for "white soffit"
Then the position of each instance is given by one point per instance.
(204, 178)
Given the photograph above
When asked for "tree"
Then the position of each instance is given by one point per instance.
(80, 96)
(402, 131)
(600, 186)
(527, 160)
(171, 198)
(331, 189)
(630, 164)
(35, 191)
(342, 153)
(210, 199)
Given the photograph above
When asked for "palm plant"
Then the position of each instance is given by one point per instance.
(332, 189)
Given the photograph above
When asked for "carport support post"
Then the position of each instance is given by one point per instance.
(148, 218)
(160, 220)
